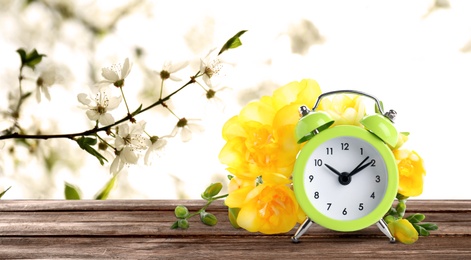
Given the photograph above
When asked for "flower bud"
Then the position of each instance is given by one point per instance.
(211, 191)
(416, 218)
(403, 231)
(208, 218)
(389, 219)
(181, 212)
(401, 208)
(183, 223)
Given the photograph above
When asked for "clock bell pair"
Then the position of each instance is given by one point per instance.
(345, 177)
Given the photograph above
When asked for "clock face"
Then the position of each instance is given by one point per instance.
(345, 178)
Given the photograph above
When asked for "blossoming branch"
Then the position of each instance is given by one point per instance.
(126, 137)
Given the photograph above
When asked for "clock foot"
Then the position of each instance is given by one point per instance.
(384, 228)
(301, 230)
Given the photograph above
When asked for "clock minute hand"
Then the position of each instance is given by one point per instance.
(360, 167)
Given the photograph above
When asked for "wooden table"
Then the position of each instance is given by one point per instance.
(140, 229)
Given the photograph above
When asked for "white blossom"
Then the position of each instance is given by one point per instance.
(186, 127)
(99, 106)
(169, 69)
(129, 143)
(209, 67)
(158, 144)
(115, 74)
(46, 79)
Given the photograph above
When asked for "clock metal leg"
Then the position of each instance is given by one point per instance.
(384, 228)
(301, 230)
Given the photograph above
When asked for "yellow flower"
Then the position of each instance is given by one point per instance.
(260, 153)
(344, 109)
(403, 231)
(260, 139)
(403, 137)
(411, 172)
(266, 208)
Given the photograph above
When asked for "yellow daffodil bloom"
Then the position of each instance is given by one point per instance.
(260, 153)
(344, 109)
(260, 139)
(411, 172)
(403, 231)
(267, 208)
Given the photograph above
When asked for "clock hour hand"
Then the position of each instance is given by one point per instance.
(332, 169)
(360, 166)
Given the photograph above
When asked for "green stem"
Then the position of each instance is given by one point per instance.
(96, 129)
(207, 205)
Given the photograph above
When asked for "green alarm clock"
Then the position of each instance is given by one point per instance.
(345, 177)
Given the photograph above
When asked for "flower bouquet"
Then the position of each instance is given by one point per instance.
(260, 153)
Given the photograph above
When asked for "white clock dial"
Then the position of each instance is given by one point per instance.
(345, 178)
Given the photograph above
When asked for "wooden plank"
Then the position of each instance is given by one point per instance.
(262, 247)
(139, 229)
(169, 205)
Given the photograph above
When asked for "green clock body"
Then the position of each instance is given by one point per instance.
(345, 178)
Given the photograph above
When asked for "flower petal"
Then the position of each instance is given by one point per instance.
(93, 115)
(109, 74)
(128, 155)
(106, 119)
(83, 98)
(126, 68)
(113, 102)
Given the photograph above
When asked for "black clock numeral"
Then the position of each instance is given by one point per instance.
(318, 162)
(372, 195)
(361, 151)
(316, 195)
(330, 150)
(329, 205)
(344, 212)
(311, 178)
(378, 179)
(344, 146)
(373, 163)
(360, 207)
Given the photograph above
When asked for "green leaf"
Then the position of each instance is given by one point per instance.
(137, 110)
(85, 142)
(232, 43)
(429, 226)
(103, 195)
(174, 225)
(422, 231)
(416, 218)
(22, 54)
(376, 107)
(3, 192)
(233, 213)
(30, 59)
(71, 192)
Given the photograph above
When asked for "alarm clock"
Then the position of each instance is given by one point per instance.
(345, 177)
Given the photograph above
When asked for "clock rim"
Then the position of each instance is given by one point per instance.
(345, 225)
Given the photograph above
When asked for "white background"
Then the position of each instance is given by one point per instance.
(413, 58)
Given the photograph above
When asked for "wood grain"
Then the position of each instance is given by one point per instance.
(140, 229)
